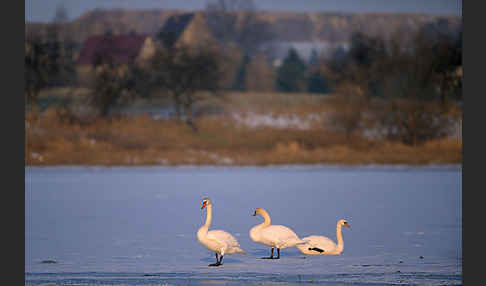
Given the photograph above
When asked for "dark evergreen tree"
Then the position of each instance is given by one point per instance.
(59, 48)
(53, 53)
(239, 82)
(35, 68)
(316, 83)
(291, 74)
(314, 58)
(181, 72)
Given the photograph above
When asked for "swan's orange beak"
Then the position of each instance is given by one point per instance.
(203, 205)
(254, 213)
(347, 225)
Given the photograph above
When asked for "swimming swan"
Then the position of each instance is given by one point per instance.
(218, 241)
(276, 236)
(321, 245)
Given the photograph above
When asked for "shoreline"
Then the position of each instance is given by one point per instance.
(431, 166)
(224, 140)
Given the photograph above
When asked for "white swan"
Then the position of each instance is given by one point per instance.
(276, 236)
(321, 245)
(218, 241)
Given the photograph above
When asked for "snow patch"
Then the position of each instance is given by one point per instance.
(255, 120)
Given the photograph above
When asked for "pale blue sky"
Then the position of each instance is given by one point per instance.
(43, 10)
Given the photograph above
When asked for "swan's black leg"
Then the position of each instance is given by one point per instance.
(218, 263)
(221, 260)
(278, 253)
(271, 255)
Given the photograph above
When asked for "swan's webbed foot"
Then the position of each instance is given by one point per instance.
(216, 264)
(218, 261)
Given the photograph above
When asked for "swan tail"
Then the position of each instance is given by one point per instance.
(239, 250)
(291, 243)
(300, 242)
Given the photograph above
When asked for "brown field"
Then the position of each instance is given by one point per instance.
(220, 140)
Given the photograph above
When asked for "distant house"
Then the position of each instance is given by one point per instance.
(119, 49)
(189, 29)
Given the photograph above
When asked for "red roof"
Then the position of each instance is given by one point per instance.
(122, 48)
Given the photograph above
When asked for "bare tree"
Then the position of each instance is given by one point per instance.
(112, 83)
(259, 75)
(410, 121)
(181, 72)
(45, 59)
(349, 107)
(236, 21)
(60, 50)
(221, 19)
(413, 83)
(61, 15)
(35, 68)
(253, 33)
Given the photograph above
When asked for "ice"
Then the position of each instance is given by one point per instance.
(137, 225)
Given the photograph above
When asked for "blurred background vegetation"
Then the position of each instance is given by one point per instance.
(235, 85)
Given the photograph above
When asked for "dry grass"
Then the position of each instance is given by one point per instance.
(220, 141)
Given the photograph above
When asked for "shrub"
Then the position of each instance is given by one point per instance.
(349, 105)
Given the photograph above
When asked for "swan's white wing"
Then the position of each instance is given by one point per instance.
(226, 238)
(223, 236)
(213, 242)
(321, 242)
(280, 236)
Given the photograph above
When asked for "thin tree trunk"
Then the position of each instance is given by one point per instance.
(188, 113)
(178, 104)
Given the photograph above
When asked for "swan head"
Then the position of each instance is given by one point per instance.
(205, 202)
(259, 211)
(343, 222)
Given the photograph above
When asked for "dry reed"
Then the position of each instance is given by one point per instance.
(142, 140)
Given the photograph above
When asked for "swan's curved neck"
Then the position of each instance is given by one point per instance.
(203, 230)
(255, 231)
(209, 216)
(339, 237)
(267, 220)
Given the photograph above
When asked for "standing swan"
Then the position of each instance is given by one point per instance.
(276, 236)
(321, 245)
(218, 241)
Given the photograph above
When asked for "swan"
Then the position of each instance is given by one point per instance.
(321, 245)
(276, 236)
(218, 241)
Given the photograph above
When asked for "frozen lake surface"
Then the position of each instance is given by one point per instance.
(137, 225)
